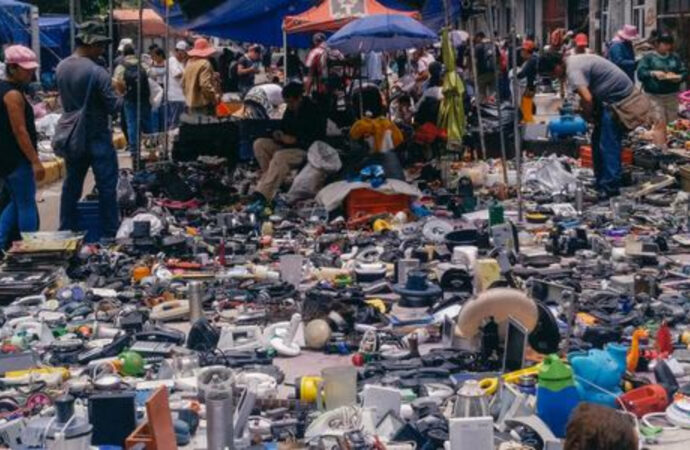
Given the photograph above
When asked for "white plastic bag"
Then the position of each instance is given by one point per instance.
(322, 160)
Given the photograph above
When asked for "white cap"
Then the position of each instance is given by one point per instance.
(182, 45)
(123, 43)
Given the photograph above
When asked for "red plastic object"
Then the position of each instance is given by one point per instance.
(645, 400)
(627, 156)
(586, 156)
(664, 344)
(362, 202)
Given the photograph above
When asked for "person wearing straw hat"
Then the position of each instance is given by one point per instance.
(20, 166)
(621, 51)
(74, 75)
(201, 91)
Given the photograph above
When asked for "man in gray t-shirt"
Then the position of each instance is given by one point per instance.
(599, 83)
(605, 80)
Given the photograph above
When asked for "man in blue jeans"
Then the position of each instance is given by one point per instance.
(131, 80)
(73, 76)
(599, 84)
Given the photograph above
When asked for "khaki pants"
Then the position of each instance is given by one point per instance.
(667, 105)
(275, 163)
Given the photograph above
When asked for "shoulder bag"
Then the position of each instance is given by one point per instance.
(635, 110)
(69, 140)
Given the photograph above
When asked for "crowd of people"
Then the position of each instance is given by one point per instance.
(319, 87)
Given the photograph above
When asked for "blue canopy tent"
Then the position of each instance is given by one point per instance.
(55, 43)
(434, 13)
(258, 21)
(15, 22)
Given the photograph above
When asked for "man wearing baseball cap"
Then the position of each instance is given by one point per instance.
(176, 65)
(19, 162)
(74, 75)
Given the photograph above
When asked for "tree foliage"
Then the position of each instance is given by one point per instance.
(88, 7)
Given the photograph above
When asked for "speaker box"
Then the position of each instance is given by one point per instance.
(113, 417)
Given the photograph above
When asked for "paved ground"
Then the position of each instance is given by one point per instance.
(48, 197)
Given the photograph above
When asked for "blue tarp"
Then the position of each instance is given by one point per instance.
(55, 40)
(15, 23)
(258, 21)
(434, 13)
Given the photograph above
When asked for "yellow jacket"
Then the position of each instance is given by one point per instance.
(376, 129)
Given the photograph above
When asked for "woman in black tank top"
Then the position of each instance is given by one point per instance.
(19, 162)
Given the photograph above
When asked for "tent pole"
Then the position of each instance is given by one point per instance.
(516, 124)
(473, 60)
(72, 24)
(285, 57)
(497, 86)
(36, 40)
(166, 82)
(110, 33)
(140, 53)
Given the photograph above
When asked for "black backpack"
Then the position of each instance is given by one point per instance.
(487, 58)
(134, 73)
(233, 82)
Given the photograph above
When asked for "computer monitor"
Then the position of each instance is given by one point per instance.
(515, 346)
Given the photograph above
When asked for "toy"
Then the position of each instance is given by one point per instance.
(598, 374)
(633, 357)
(557, 395)
(645, 400)
(664, 344)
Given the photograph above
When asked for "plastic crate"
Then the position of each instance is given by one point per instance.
(587, 161)
(368, 201)
(89, 221)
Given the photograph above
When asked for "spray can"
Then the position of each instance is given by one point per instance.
(195, 296)
(220, 434)
(579, 197)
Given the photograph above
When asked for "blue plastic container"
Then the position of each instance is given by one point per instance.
(89, 221)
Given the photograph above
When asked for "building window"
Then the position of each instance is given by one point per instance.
(638, 16)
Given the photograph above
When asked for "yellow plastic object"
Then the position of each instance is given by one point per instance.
(633, 357)
(42, 371)
(308, 388)
(381, 225)
(488, 271)
(490, 385)
(140, 272)
(378, 304)
(527, 108)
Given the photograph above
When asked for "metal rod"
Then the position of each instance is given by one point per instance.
(110, 33)
(72, 23)
(497, 86)
(285, 57)
(166, 83)
(516, 103)
(140, 52)
(476, 88)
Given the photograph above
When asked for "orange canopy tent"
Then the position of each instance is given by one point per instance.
(332, 15)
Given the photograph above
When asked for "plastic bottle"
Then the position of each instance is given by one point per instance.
(496, 214)
(557, 395)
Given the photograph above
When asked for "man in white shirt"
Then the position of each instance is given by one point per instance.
(175, 98)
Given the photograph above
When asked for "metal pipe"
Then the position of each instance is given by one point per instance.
(110, 33)
(499, 105)
(166, 83)
(140, 53)
(285, 57)
(516, 123)
(473, 61)
(72, 24)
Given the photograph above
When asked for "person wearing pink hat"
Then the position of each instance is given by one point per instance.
(20, 166)
(622, 52)
(201, 91)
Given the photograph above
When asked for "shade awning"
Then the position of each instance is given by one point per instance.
(331, 15)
